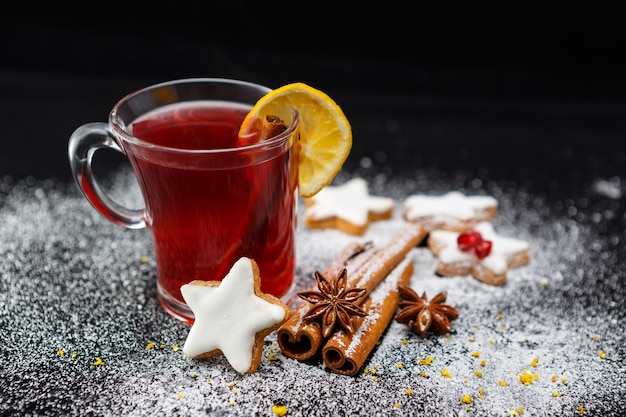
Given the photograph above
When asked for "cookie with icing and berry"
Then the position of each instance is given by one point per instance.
(451, 211)
(232, 317)
(347, 207)
(479, 252)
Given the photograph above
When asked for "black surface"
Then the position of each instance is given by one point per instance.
(502, 96)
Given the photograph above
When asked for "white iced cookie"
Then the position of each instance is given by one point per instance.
(347, 207)
(232, 317)
(479, 252)
(451, 211)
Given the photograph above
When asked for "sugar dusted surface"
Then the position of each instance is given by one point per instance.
(75, 288)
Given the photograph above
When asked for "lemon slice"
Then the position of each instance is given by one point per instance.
(325, 133)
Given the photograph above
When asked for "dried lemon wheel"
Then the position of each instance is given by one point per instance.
(325, 133)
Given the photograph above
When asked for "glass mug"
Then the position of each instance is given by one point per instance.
(207, 201)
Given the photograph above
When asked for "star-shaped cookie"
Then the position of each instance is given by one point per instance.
(490, 267)
(451, 211)
(232, 317)
(347, 207)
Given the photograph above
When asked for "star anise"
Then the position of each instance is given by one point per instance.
(333, 304)
(422, 314)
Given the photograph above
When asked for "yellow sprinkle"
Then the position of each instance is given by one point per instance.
(161, 346)
(528, 377)
(150, 346)
(366, 371)
(375, 379)
(175, 347)
(502, 328)
(481, 390)
(477, 327)
(478, 373)
(74, 355)
(500, 315)
(231, 384)
(466, 399)
(60, 352)
(512, 412)
(398, 405)
(98, 362)
(481, 397)
(602, 355)
(502, 383)
(556, 394)
(423, 373)
(279, 410)
(476, 354)
(408, 391)
(272, 357)
(564, 380)
(208, 378)
(193, 374)
(581, 410)
(373, 371)
(445, 373)
(144, 259)
(520, 410)
(404, 341)
(596, 337)
(427, 361)
(180, 395)
(491, 341)
(231, 402)
(554, 378)
(534, 362)
(465, 381)
(235, 390)
(471, 339)
(400, 366)
(483, 363)
(544, 282)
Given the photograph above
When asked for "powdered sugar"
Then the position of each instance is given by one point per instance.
(75, 288)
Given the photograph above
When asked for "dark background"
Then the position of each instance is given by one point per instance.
(501, 90)
(508, 97)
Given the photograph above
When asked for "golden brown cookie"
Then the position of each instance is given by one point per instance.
(451, 211)
(348, 207)
(479, 252)
(232, 317)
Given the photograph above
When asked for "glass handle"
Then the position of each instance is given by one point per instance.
(83, 143)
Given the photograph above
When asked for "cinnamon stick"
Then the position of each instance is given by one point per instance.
(271, 126)
(345, 353)
(377, 268)
(301, 340)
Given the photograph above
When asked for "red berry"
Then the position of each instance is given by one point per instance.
(468, 241)
(483, 249)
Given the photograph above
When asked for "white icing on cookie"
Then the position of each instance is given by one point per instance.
(350, 201)
(502, 249)
(452, 205)
(228, 316)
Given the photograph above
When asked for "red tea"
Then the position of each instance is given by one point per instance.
(208, 209)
